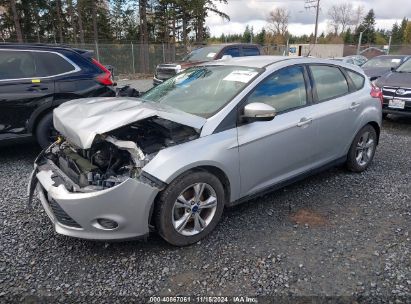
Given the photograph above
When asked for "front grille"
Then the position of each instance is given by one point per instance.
(166, 72)
(390, 93)
(61, 215)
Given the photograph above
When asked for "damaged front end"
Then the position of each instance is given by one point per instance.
(82, 188)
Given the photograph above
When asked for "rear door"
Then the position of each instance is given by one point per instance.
(336, 110)
(22, 90)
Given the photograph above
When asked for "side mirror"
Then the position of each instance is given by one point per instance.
(258, 111)
(393, 69)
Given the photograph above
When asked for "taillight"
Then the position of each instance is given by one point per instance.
(376, 93)
(105, 77)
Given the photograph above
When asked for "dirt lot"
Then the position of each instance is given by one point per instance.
(334, 234)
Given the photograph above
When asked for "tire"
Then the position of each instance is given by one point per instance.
(45, 132)
(384, 115)
(170, 214)
(362, 149)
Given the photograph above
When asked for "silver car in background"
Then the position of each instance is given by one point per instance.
(212, 136)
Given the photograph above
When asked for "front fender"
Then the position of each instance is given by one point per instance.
(217, 150)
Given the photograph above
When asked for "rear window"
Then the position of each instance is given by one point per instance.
(16, 65)
(251, 51)
(329, 82)
(357, 79)
(50, 64)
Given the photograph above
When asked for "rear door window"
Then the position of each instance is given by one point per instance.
(50, 64)
(251, 51)
(357, 79)
(16, 65)
(233, 52)
(329, 82)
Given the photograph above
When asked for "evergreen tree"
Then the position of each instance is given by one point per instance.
(403, 26)
(260, 37)
(407, 33)
(367, 26)
(396, 35)
(348, 37)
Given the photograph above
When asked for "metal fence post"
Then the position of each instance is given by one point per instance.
(132, 55)
(97, 52)
(164, 55)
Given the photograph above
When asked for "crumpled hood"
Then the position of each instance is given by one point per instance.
(80, 120)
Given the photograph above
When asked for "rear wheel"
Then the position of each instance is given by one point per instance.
(362, 149)
(45, 132)
(189, 208)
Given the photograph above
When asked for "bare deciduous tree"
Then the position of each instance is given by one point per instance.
(335, 19)
(94, 17)
(59, 21)
(341, 16)
(72, 19)
(358, 15)
(278, 22)
(16, 21)
(346, 15)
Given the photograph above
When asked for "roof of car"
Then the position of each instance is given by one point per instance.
(391, 56)
(266, 61)
(42, 46)
(251, 61)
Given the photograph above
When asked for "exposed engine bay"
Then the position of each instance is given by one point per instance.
(118, 155)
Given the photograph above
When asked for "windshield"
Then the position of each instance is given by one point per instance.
(202, 91)
(405, 67)
(382, 62)
(203, 54)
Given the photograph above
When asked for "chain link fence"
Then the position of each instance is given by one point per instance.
(133, 59)
(127, 59)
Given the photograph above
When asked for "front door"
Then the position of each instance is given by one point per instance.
(20, 91)
(277, 150)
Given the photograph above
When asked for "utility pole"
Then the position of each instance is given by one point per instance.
(359, 43)
(314, 4)
(389, 44)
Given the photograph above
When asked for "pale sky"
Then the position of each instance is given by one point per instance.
(255, 12)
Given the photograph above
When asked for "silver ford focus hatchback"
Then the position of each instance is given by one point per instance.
(212, 136)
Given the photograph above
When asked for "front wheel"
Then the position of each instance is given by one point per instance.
(189, 208)
(362, 149)
(45, 132)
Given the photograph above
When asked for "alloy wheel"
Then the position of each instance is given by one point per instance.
(194, 209)
(365, 149)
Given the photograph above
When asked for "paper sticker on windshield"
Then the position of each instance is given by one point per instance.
(396, 60)
(241, 76)
(211, 55)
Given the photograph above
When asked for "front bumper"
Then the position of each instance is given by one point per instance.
(77, 214)
(396, 112)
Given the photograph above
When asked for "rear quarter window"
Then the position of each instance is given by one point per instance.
(248, 51)
(50, 64)
(357, 79)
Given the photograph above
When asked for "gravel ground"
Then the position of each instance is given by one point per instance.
(334, 234)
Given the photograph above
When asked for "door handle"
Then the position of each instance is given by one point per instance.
(354, 105)
(304, 121)
(36, 88)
